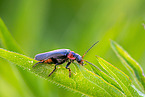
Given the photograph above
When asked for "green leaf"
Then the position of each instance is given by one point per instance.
(7, 40)
(9, 43)
(135, 72)
(82, 81)
(122, 79)
(106, 77)
(99, 82)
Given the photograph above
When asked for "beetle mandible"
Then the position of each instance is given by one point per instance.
(61, 56)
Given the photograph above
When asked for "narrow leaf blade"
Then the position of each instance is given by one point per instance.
(7, 40)
(122, 79)
(129, 62)
(99, 81)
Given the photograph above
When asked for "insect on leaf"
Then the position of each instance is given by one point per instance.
(79, 82)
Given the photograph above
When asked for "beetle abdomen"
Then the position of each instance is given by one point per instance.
(52, 54)
(49, 61)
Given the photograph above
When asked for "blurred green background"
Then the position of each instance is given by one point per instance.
(44, 25)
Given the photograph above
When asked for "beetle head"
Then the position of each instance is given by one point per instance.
(81, 62)
(74, 56)
(79, 59)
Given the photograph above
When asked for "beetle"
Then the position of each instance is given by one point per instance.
(61, 56)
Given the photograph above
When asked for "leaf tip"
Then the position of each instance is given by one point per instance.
(112, 42)
(97, 56)
(1, 20)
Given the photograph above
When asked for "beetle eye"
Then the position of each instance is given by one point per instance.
(82, 63)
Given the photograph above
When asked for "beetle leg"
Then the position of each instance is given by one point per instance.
(38, 63)
(53, 69)
(68, 68)
(54, 60)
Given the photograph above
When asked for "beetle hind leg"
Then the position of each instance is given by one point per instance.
(38, 63)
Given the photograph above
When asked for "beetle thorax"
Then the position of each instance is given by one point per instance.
(74, 56)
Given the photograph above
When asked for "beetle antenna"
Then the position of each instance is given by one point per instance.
(92, 64)
(90, 48)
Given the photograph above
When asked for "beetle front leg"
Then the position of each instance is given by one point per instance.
(68, 68)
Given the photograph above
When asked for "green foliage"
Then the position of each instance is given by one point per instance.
(7, 40)
(43, 25)
(88, 83)
(135, 72)
(122, 79)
